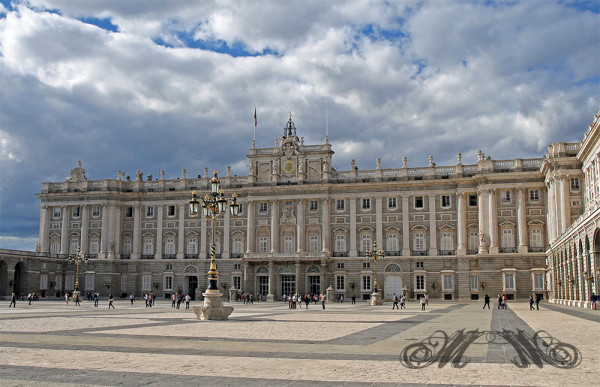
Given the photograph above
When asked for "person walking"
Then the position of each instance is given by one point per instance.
(131, 298)
(486, 301)
(110, 301)
(322, 298)
(13, 301)
(77, 302)
(395, 300)
(422, 302)
(504, 302)
(499, 302)
(188, 298)
(403, 302)
(67, 298)
(96, 299)
(594, 298)
(538, 298)
(173, 300)
(530, 302)
(353, 299)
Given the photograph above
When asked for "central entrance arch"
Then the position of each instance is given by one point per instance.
(190, 281)
(392, 282)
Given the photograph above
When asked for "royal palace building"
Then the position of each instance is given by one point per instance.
(518, 227)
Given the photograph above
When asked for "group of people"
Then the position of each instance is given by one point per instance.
(178, 298)
(248, 298)
(537, 300)
(296, 300)
(399, 299)
(149, 299)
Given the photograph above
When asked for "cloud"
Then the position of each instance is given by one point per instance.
(170, 85)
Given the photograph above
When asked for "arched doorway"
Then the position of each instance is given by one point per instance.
(4, 289)
(313, 280)
(190, 281)
(392, 282)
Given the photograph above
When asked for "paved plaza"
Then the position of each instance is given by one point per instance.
(267, 344)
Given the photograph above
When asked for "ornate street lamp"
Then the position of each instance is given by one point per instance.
(78, 258)
(213, 204)
(375, 256)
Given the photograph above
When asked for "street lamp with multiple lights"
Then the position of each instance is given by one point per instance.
(78, 258)
(375, 255)
(213, 204)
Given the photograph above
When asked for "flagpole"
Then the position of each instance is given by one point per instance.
(254, 137)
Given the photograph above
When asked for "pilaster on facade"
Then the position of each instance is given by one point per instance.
(64, 232)
(433, 250)
(275, 226)
(137, 232)
(405, 227)
(85, 224)
(493, 221)
(353, 249)
(461, 229)
(181, 232)
(481, 200)
(300, 226)
(522, 222)
(251, 228)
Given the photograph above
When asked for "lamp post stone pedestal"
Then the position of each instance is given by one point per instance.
(376, 298)
(213, 308)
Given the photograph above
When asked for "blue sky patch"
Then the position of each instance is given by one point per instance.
(105, 24)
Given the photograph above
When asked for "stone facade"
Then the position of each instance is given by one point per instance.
(452, 232)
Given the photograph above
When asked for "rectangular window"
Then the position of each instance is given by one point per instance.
(366, 283)
(263, 207)
(340, 265)
(238, 245)
(419, 242)
(89, 282)
(288, 244)
(58, 282)
(472, 200)
(534, 195)
(94, 247)
(509, 282)
(446, 241)
(366, 265)
(75, 211)
(535, 239)
(420, 264)
(170, 210)
(44, 282)
(420, 282)
(538, 281)
(168, 282)
(69, 281)
(237, 282)
(263, 243)
(314, 205)
(57, 211)
(392, 242)
(448, 283)
(340, 205)
(340, 286)
(149, 211)
(366, 204)
(473, 240)
(129, 212)
(508, 241)
(419, 202)
(170, 246)
(96, 211)
(340, 243)
(148, 247)
(505, 196)
(192, 246)
(146, 286)
(237, 266)
(241, 208)
(574, 184)
(445, 201)
(123, 283)
(392, 204)
(314, 244)
(365, 242)
(474, 282)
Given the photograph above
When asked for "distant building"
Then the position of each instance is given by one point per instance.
(518, 227)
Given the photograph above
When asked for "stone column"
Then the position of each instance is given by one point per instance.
(551, 217)
(85, 225)
(405, 227)
(64, 232)
(298, 278)
(432, 227)
(226, 231)
(104, 233)
(250, 230)
(44, 229)
(558, 215)
(379, 223)
(117, 232)
(271, 295)
(565, 208)
(246, 279)
(461, 229)
(323, 276)
(493, 218)
(353, 250)
(274, 226)
(300, 227)
(203, 233)
(326, 230)
(181, 233)
(481, 196)
(522, 222)
(159, 232)
(137, 232)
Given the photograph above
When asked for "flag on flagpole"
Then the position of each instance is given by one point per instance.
(255, 116)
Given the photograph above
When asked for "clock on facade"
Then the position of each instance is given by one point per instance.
(289, 166)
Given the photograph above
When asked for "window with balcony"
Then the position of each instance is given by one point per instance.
(392, 244)
(288, 244)
(314, 244)
(168, 283)
(365, 242)
(340, 283)
(420, 282)
(263, 244)
(419, 241)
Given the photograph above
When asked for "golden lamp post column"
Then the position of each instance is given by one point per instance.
(213, 205)
(375, 255)
(77, 258)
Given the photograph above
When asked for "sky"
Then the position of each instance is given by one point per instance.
(151, 85)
